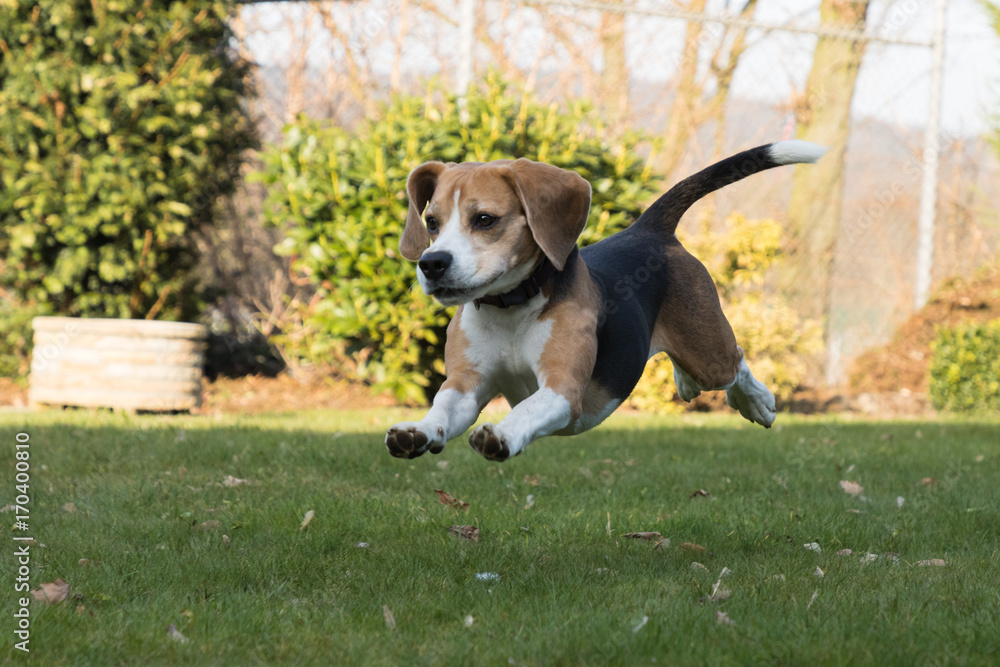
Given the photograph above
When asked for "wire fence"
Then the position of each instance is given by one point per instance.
(710, 77)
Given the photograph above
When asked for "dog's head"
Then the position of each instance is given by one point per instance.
(481, 228)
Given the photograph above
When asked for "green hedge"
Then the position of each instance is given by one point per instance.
(340, 196)
(120, 122)
(965, 369)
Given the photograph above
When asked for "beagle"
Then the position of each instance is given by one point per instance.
(563, 333)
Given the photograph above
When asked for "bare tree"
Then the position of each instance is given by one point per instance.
(614, 78)
(823, 115)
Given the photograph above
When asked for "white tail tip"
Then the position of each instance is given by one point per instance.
(795, 151)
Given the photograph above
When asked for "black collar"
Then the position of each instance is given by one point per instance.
(523, 292)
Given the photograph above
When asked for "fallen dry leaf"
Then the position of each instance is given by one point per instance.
(468, 621)
(442, 465)
(698, 567)
(979, 458)
(229, 480)
(813, 598)
(53, 592)
(845, 552)
(530, 502)
(390, 620)
(933, 562)
(531, 480)
(80, 609)
(852, 488)
(69, 507)
(83, 561)
(7, 508)
(819, 573)
(930, 481)
(226, 540)
(900, 500)
(695, 548)
(662, 544)
(869, 557)
(212, 524)
(722, 618)
(306, 519)
(813, 546)
(725, 573)
(700, 493)
(447, 499)
(470, 533)
(651, 536)
(176, 635)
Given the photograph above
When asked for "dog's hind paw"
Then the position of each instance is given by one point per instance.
(754, 400)
(408, 440)
(489, 442)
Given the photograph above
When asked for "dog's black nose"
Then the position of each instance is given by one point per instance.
(434, 264)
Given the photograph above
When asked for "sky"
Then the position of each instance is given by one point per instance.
(893, 85)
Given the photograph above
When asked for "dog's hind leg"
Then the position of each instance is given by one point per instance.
(693, 330)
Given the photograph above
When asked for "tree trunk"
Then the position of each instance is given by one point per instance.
(823, 115)
(687, 97)
(614, 79)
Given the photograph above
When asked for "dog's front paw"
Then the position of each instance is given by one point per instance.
(408, 440)
(490, 442)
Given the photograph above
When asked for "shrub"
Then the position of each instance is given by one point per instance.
(965, 367)
(775, 340)
(15, 336)
(119, 124)
(341, 198)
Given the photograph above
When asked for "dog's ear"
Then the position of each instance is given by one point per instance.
(419, 188)
(556, 202)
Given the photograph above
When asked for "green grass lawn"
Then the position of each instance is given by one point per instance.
(570, 588)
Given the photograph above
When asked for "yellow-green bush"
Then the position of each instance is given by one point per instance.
(776, 341)
(965, 368)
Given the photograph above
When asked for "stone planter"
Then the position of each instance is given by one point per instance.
(120, 364)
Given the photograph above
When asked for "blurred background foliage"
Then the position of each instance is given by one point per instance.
(120, 124)
(965, 371)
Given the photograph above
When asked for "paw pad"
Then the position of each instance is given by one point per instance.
(406, 443)
(491, 446)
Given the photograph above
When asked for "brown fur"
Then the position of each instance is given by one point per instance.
(556, 203)
(463, 375)
(574, 310)
(691, 326)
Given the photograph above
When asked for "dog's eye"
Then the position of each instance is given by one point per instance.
(484, 220)
(432, 224)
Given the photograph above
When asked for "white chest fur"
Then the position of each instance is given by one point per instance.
(506, 345)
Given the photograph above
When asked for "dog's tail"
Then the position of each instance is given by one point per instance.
(666, 211)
